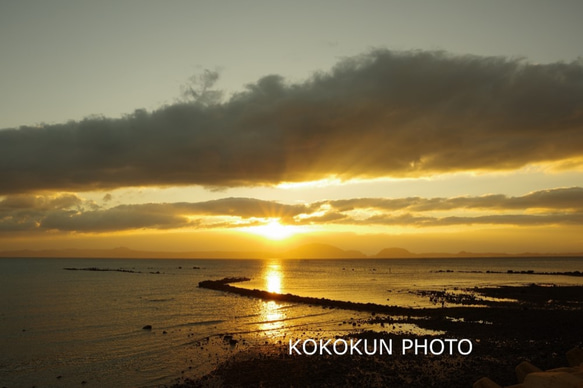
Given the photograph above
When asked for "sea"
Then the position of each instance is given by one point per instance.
(62, 325)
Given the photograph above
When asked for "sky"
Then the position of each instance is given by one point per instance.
(241, 126)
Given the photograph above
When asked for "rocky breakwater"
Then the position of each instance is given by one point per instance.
(223, 285)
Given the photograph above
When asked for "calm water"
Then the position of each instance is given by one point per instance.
(59, 328)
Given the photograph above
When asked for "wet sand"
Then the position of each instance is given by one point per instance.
(506, 326)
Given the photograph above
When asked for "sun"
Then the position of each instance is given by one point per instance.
(273, 230)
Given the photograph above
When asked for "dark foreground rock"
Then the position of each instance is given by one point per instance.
(495, 358)
(503, 336)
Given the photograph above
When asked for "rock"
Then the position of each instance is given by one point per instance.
(575, 356)
(147, 327)
(523, 369)
(553, 379)
(485, 382)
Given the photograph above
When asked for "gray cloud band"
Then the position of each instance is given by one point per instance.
(68, 212)
(380, 114)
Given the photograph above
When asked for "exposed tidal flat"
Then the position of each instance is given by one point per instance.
(85, 327)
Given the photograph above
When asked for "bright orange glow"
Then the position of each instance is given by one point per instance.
(273, 319)
(273, 278)
(331, 181)
(273, 230)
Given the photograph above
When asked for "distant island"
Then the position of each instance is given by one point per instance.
(307, 251)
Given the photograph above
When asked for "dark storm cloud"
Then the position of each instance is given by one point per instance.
(380, 114)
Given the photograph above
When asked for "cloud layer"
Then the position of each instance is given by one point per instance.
(70, 213)
(380, 114)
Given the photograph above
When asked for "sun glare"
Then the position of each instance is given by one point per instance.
(273, 230)
(273, 279)
(331, 181)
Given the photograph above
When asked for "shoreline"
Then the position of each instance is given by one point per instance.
(532, 323)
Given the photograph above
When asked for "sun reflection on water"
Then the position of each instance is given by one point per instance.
(273, 277)
(272, 322)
